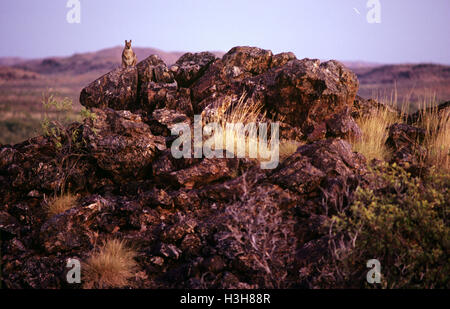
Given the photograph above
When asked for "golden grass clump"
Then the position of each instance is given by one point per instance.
(435, 122)
(110, 266)
(243, 143)
(374, 128)
(437, 135)
(288, 147)
(60, 204)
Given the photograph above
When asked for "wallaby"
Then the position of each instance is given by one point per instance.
(129, 58)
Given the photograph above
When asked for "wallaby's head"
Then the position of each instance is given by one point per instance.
(127, 44)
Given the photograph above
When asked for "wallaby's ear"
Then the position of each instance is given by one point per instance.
(130, 41)
(125, 41)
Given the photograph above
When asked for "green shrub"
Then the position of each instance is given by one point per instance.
(400, 221)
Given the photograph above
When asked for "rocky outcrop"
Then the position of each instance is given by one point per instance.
(194, 222)
(317, 98)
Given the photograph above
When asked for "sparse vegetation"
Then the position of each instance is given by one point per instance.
(68, 139)
(403, 223)
(61, 203)
(112, 265)
(55, 128)
(265, 234)
(436, 123)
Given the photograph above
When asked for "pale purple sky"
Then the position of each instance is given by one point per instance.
(410, 30)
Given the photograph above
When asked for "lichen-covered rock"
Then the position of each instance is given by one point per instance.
(207, 171)
(306, 93)
(224, 76)
(326, 169)
(343, 125)
(405, 142)
(366, 107)
(190, 67)
(121, 143)
(116, 89)
(281, 59)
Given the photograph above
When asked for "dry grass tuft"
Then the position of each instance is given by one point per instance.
(374, 127)
(111, 266)
(437, 138)
(288, 147)
(436, 123)
(246, 112)
(60, 204)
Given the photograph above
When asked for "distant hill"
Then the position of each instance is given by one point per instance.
(9, 61)
(388, 74)
(10, 73)
(103, 60)
(411, 83)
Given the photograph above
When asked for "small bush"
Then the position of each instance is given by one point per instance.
(400, 221)
(110, 266)
(60, 204)
(266, 237)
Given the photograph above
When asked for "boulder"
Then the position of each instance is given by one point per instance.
(343, 125)
(366, 107)
(156, 84)
(302, 93)
(190, 67)
(326, 169)
(224, 76)
(205, 172)
(121, 143)
(405, 142)
(116, 89)
(306, 93)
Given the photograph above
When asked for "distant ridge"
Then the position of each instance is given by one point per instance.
(101, 61)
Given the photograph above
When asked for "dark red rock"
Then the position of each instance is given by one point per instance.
(343, 125)
(405, 142)
(190, 67)
(306, 93)
(121, 143)
(116, 89)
